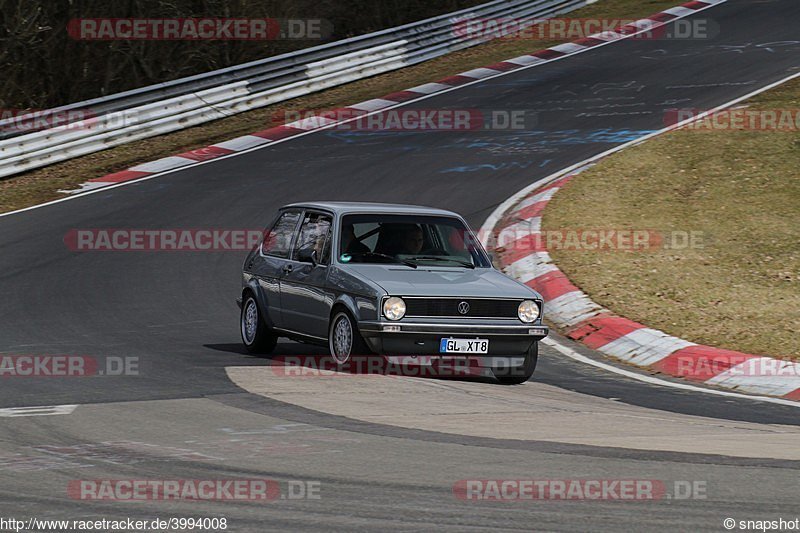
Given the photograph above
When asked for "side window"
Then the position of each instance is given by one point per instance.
(315, 232)
(278, 240)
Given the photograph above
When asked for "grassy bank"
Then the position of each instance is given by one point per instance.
(741, 190)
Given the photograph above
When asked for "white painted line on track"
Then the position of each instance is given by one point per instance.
(42, 410)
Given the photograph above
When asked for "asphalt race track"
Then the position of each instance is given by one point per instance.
(183, 417)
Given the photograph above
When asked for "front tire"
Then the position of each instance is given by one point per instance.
(256, 336)
(519, 374)
(344, 340)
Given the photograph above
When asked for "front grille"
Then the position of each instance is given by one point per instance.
(478, 307)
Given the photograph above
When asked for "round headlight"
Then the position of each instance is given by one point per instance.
(528, 311)
(394, 308)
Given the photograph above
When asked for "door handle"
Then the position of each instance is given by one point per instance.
(287, 269)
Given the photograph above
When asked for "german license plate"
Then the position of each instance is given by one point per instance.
(464, 346)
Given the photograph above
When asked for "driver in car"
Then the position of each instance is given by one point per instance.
(411, 240)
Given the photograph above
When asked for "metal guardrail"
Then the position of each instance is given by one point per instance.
(158, 109)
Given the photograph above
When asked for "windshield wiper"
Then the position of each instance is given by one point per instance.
(387, 256)
(461, 262)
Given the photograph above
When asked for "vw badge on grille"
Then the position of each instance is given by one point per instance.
(463, 308)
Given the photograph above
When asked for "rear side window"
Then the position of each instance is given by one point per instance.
(315, 232)
(278, 240)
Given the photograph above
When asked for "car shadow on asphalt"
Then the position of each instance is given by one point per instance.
(297, 359)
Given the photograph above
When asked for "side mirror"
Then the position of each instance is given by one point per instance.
(307, 255)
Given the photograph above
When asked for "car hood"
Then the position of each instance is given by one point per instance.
(430, 281)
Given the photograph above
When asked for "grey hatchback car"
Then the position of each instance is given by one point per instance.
(387, 279)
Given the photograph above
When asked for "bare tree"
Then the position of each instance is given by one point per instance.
(44, 67)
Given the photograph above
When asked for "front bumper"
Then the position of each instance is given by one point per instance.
(417, 337)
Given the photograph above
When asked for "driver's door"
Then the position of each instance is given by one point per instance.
(305, 299)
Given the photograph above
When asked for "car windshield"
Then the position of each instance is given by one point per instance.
(411, 240)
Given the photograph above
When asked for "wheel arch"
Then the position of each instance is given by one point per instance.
(346, 302)
(252, 287)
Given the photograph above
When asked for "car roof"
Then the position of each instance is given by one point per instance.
(342, 208)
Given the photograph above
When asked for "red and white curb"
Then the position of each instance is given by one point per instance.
(522, 255)
(281, 133)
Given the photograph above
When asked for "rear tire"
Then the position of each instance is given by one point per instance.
(344, 339)
(519, 374)
(256, 336)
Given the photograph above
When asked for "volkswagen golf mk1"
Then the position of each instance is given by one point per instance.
(387, 279)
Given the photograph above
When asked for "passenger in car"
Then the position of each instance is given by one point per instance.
(400, 239)
(411, 240)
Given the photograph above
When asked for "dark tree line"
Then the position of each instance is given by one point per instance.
(41, 66)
